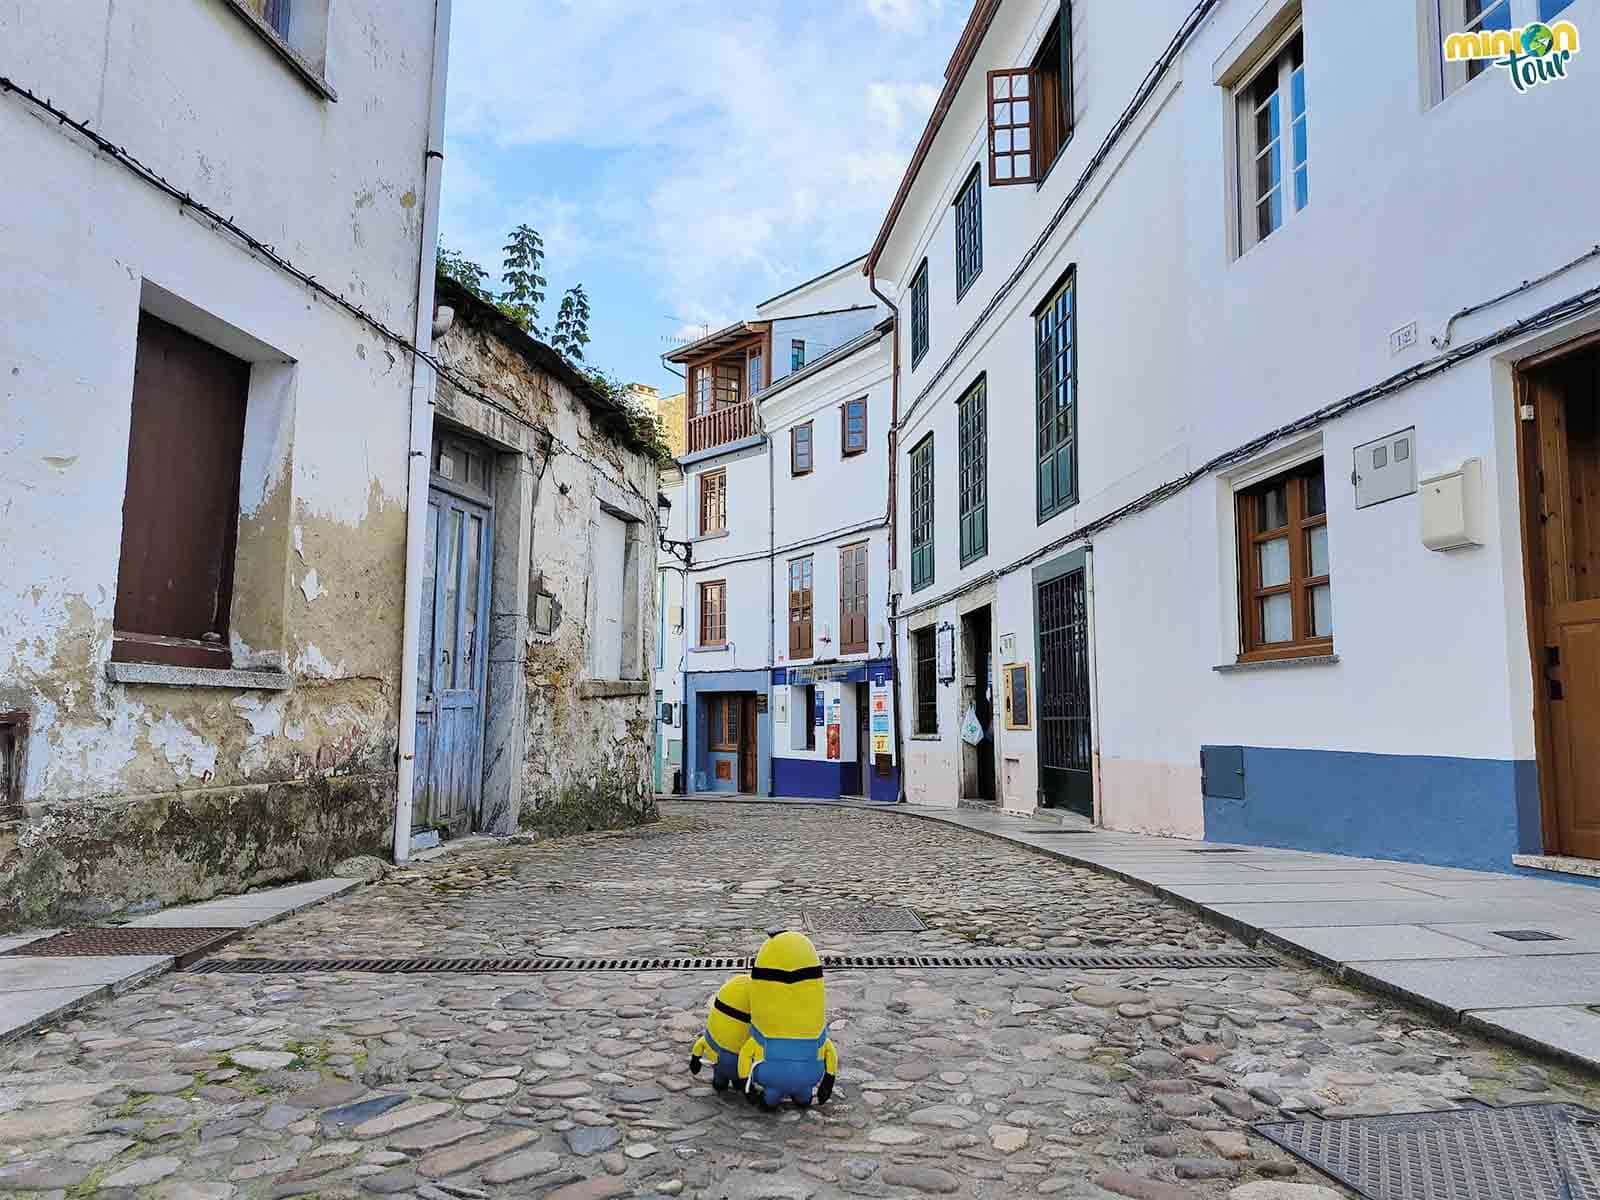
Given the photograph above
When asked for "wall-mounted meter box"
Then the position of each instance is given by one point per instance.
(1449, 507)
(1385, 469)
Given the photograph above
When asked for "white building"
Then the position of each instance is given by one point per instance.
(786, 465)
(1222, 414)
(204, 471)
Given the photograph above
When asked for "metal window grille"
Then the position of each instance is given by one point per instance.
(927, 681)
(1064, 674)
(972, 418)
(1056, 363)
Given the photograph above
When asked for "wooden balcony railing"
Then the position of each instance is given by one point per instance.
(721, 426)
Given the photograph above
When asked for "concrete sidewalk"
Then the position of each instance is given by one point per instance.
(37, 989)
(1436, 936)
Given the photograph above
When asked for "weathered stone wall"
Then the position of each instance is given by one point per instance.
(134, 793)
(585, 746)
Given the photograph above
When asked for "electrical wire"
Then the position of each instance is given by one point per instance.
(1546, 318)
(154, 178)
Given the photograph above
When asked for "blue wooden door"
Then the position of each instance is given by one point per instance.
(451, 663)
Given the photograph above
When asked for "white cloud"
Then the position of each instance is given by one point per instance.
(901, 15)
(720, 152)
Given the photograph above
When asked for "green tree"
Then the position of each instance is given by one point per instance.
(572, 325)
(521, 279)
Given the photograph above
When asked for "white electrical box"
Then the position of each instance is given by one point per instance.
(1449, 507)
(1385, 469)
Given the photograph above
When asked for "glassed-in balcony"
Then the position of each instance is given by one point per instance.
(723, 406)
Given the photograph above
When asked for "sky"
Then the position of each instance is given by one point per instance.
(683, 160)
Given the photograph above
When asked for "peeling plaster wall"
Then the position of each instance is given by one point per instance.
(586, 744)
(140, 793)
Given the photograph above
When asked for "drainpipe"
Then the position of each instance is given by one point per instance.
(772, 609)
(422, 386)
(894, 525)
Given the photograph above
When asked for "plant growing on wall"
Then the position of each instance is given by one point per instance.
(455, 265)
(524, 285)
(572, 324)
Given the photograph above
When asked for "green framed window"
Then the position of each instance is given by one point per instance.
(1056, 370)
(919, 313)
(972, 425)
(922, 514)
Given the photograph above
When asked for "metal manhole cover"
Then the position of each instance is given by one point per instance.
(866, 919)
(1525, 1151)
(184, 944)
(1528, 935)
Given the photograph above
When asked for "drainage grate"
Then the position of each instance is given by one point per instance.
(1528, 935)
(1215, 850)
(128, 940)
(866, 919)
(1152, 961)
(1055, 832)
(1526, 1151)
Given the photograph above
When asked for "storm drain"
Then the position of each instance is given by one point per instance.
(1526, 1151)
(128, 940)
(1152, 961)
(865, 919)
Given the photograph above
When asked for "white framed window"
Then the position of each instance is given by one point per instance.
(1482, 18)
(1274, 168)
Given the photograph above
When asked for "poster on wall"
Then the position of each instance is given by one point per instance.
(882, 739)
(835, 719)
(945, 650)
(833, 742)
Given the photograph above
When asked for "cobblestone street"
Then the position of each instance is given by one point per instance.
(953, 1082)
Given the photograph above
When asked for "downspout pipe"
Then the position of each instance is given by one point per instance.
(894, 526)
(422, 389)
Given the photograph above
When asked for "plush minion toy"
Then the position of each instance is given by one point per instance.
(727, 1030)
(789, 1055)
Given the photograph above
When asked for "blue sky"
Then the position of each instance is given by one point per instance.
(685, 160)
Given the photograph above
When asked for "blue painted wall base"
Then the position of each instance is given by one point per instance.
(1455, 812)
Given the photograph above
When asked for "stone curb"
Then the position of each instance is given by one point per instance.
(137, 976)
(1252, 935)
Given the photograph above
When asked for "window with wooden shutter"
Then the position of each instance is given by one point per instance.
(972, 420)
(714, 613)
(713, 502)
(853, 428)
(180, 513)
(1056, 368)
(800, 449)
(922, 514)
(853, 599)
(800, 614)
(1030, 109)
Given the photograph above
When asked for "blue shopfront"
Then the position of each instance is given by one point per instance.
(833, 731)
(727, 724)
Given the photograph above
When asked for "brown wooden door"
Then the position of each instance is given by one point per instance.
(747, 744)
(180, 514)
(1562, 493)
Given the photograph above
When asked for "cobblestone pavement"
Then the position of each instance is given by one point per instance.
(957, 1082)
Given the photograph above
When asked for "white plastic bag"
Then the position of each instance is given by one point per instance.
(971, 728)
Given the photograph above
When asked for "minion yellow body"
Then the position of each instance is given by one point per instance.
(789, 1054)
(727, 1030)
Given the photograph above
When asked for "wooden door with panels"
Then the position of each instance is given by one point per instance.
(1559, 439)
